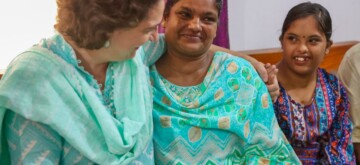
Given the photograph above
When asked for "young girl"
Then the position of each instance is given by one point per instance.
(312, 108)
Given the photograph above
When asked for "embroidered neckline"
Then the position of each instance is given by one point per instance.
(186, 94)
(61, 48)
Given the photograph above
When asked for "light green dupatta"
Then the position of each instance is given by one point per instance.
(43, 87)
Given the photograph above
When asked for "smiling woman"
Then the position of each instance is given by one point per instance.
(210, 107)
(83, 80)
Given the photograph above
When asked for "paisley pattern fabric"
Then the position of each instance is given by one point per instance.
(227, 119)
(320, 132)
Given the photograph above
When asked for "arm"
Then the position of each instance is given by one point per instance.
(339, 148)
(257, 65)
(263, 114)
(31, 142)
(154, 50)
(272, 84)
(349, 75)
(267, 72)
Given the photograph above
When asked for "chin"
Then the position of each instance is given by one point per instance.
(132, 55)
(193, 49)
(304, 71)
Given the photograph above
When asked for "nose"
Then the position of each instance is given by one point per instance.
(154, 36)
(303, 48)
(195, 24)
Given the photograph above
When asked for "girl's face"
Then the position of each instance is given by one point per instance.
(304, 46)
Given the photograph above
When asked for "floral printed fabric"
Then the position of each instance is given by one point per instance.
(227, 119)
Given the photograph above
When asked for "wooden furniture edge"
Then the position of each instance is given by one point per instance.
(331, 61)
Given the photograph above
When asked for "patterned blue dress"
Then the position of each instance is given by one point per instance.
(320, 132)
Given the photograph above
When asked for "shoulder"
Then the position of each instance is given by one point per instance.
(330, 81)
(350, 64)
(329, 77)
(237, 68)
(228, 58)
(35, 64)
(35, 59)
(353, 53)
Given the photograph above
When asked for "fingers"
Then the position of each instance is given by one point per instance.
(272, 83)
(273, 88)
(271, 71)
(274, 91)
(260, 68)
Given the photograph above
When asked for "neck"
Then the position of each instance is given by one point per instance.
(299, 87)
(91, 60)
(289, 79)
(184, 70)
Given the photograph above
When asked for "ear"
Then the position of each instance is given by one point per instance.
(164, 21)
(328, 45)
(327, 50)
(281, 42)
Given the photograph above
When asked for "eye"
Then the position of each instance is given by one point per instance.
(314, 41)
(291, 38)
(151, 30)
(184, 14)
(210, 20)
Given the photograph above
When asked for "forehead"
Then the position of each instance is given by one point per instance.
(154, 16)
(305, 26)
(197, 5)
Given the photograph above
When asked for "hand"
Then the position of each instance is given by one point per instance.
(260, 68)
(272, 83)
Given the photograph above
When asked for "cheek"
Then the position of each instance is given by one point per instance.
(287, 51)
(140, 39)
(212, 30)
(320, 54)
(318, 50)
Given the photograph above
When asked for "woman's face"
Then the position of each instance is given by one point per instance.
(191, 26)
(125, 42)
(304, 46)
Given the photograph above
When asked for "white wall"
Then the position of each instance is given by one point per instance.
(23, 23)
(256, 24)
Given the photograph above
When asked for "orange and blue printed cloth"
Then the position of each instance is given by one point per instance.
(320, 132)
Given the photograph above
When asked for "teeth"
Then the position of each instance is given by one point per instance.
(302, 59)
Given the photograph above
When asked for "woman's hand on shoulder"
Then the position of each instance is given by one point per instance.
(272, 83)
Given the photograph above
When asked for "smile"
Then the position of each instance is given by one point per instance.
(191, 36)
(302, 59)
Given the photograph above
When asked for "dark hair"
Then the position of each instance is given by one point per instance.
(306, 9)
(88, 22)
(171, 3)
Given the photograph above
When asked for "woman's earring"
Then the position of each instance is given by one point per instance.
(163, 22)
(107, 44)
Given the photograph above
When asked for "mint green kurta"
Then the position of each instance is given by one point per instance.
(46, 98)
